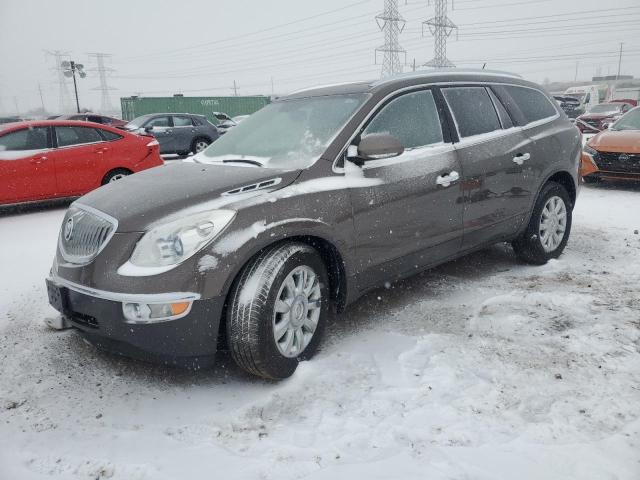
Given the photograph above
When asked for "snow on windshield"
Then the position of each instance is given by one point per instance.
(289, 134)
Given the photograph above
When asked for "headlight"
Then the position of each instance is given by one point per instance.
(590, 151)
(172, 243)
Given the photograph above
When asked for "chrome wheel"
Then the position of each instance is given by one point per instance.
(201, 145)
(553, 223)
(117, 176)
(297, 311)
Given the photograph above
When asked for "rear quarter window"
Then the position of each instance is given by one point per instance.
(533, 104)
(109, 136)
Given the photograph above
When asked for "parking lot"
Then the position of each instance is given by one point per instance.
(482, 368)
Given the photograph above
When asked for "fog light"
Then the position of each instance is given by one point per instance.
(154, 312)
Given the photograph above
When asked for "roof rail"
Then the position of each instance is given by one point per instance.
(444, 71)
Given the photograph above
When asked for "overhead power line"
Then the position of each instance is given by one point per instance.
(391, 23)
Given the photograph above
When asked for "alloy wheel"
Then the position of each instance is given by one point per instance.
(553, 223)
(297, 311)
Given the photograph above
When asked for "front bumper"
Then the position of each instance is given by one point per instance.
(189, 341)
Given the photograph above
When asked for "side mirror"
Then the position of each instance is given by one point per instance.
(376, 146)
(148, 129)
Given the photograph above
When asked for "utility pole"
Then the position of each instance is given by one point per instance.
(441, 27)
(15, 102)
(41, 98)
(391, 24)
(63, 91)
(235, 89)
(575, 77)
(272, 89)
(619, 62)
(105, 99)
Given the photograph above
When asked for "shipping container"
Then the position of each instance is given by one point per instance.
(133, 107)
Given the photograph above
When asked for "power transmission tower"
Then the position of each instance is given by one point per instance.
(441, 27)
(64, 100)
(391, 23)
(105, 98)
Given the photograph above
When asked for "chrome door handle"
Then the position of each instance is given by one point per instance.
(521, 158)
(38, 160)
(446, 180)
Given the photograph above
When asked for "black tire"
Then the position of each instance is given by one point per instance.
(528, 246)
(114, 175)
(251, 310)
(196, 141)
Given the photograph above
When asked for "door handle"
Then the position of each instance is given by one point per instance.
(38, 160)
(446, 180)
(101, 150)
(521, 158)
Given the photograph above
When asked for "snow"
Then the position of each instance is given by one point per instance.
(483, 368)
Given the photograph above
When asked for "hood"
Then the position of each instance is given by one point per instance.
(622, 141)
(596, 116)
(142, 199)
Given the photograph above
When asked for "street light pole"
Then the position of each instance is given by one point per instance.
(69, 69)
(75, 85)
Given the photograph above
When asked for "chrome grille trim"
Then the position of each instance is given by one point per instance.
(90, 232)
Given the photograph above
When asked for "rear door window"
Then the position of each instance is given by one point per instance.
(472, 110)
(182, 122)
(533, 104)
(68, 136)
(412, 118)
(34, 138)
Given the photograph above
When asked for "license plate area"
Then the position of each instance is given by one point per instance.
(58, 296)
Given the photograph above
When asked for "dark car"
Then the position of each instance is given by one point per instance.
(601, 116)
(95, 118)
(179, 133)
(306, 205)
(569, 105)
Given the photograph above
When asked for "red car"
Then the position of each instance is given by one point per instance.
(59, 158)
(601, 116)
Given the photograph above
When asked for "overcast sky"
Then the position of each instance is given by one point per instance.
(199, 48)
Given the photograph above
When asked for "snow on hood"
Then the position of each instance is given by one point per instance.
(173, 190)
(619, 141)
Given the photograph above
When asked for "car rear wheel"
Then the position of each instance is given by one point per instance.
(549, 227)
(277, 312)
(200, 144)
(115, 175)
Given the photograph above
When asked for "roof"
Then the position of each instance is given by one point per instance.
(54, 123)
(408, 79)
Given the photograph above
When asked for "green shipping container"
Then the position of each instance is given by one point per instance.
(133, 107)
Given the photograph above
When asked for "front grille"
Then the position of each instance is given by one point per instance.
(618, 162)
(86, 320)
(84, 233)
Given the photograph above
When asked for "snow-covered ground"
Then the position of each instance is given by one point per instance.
(484, 368)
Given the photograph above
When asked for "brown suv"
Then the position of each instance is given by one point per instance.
(309, 203)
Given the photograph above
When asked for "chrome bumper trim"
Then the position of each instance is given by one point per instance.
(126, 297)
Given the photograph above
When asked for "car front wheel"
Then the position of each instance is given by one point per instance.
(277, 310)
(549, 226)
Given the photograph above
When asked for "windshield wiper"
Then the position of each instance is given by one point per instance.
(243, 160)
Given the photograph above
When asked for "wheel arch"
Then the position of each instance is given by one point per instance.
(330, 255)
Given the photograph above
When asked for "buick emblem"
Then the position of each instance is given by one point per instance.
(68, 229)
(624, 157)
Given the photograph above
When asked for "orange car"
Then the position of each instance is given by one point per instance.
(614, 154)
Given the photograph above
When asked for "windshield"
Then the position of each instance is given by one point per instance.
(605, 108)
(630, 121)
(289, 134)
